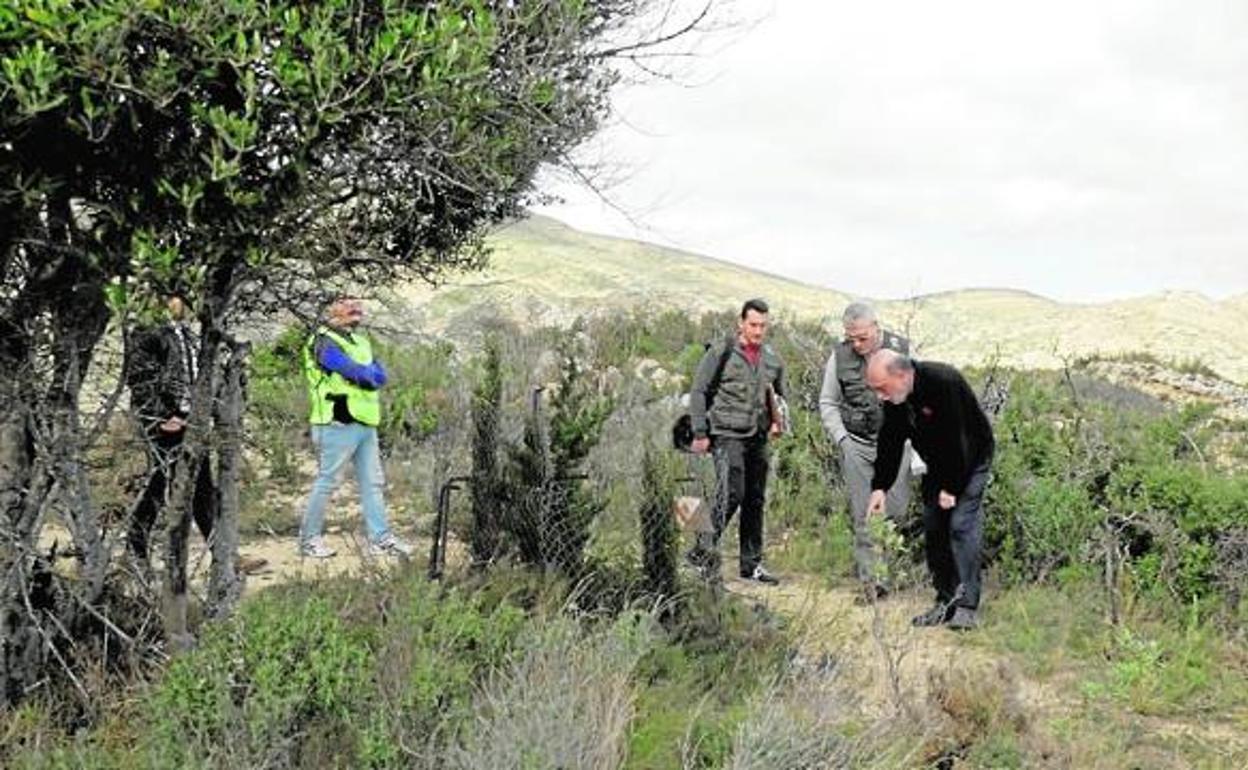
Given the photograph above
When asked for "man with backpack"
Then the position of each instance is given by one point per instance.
(733, 411)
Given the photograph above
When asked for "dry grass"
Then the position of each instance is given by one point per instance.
(566, 700)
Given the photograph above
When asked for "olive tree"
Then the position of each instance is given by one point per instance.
(250, 155)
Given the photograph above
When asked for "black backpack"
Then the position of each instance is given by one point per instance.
(682, 430)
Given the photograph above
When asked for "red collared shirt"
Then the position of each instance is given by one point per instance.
(753, 353)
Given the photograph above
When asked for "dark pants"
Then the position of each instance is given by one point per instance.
(740, 482)
(163, 450)
(953, 539)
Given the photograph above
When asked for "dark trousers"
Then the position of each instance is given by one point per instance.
(741, 482)
(163, 450)
(953, 539)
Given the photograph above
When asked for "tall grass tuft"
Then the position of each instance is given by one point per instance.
(565, 701)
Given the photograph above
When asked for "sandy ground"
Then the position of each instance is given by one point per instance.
(899, 656)
(902, 659)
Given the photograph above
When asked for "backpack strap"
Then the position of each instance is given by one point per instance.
(712, 387)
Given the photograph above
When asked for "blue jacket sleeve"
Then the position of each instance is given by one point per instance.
(379, 373)
(332, 359)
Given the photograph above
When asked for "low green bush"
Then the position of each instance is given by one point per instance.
(314, 679)
(1075, 478)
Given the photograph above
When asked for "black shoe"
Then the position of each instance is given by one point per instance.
(964, 619)
(939, 614)
(760, 575)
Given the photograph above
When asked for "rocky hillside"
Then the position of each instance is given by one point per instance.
(546, 272)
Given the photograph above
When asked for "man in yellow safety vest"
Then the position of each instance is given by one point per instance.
(343, 392)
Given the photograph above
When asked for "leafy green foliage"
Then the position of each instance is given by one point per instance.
(1075, 476)
(254, 156)
(256, 677)
(325, 679)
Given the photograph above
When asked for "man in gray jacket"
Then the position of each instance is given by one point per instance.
(852, 416)
(732, 405)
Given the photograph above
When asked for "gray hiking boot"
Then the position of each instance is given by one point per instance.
(391, 545)
(964, 619)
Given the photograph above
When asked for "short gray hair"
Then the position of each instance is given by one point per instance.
(858, 311)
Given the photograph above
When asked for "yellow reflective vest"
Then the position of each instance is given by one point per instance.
(324, 387)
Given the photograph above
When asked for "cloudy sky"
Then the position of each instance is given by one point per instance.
(1080, 150)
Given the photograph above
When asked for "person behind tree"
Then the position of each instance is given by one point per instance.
(161, 370)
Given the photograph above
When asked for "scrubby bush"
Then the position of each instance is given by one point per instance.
(1081, 479)
(304, 678)
(566, 699)
(548, 506)
(659, 537)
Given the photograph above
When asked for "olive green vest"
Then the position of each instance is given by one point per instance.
(363, 404)
(740, 408)
(861, 411)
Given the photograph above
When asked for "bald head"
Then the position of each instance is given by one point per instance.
(890, 375)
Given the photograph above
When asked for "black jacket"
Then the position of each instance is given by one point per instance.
(159, 371)
(945, 425)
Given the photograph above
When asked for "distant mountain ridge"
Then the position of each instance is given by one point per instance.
(545, 272)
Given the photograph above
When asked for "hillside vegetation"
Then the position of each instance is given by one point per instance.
(1114, 626)
(545, 272)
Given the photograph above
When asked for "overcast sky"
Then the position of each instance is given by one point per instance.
(1081, 150)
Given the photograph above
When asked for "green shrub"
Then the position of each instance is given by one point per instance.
(277, 410)
(1167, 669)
(329, 678)
(255, 680)
(1074, 476)
(548, 505)
(486, 485)
(659, 537)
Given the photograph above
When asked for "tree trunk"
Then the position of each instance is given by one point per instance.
(193, 451)
(226, 585)
(78, 331)
(16, 525)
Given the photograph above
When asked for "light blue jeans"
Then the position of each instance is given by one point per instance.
(335, 445)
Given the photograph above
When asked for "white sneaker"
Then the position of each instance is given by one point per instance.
(316, 549)
(390, 544)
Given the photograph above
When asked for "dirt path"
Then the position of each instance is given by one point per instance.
(896, 662)
(284, 564)
(894, 658)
